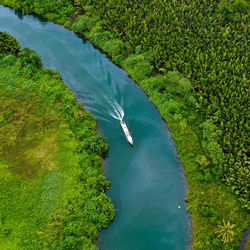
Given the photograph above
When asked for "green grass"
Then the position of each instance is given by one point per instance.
(32, 146)
(52, 183)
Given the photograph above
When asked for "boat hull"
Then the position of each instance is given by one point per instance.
(126, 132)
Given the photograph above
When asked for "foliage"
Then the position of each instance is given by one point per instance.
(83, 23)
(54, 10)
(8, 44)
(172, 82)
(96, 143)
(232, 10)
(52, 184)
(29, 60)
(226, 232)
(101, 38)
(207, 42)
(138, 67)
(114, 47)
(176, 83)
(247, 245)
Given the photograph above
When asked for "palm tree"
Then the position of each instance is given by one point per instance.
(226, 232)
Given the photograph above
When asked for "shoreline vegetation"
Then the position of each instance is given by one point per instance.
(51, 171)
(198, 84)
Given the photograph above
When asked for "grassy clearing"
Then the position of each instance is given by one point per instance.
(29, 155)
(52, 184)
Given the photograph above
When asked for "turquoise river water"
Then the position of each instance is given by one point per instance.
(147, 180)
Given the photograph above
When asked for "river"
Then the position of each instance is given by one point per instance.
(148, 185)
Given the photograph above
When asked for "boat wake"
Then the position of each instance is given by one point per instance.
(117, 111)
(118, 114)
(114, 110)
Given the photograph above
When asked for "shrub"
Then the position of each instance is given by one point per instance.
(8, 44)
(96, 144)
(100, 38)
(118, 59)
(138, 67)
(173, 107)
(177, 84)
(9, 60)
(84, 23)
(96, 29)
(132, 60)
(29, 57)
(231, 10)
(154, 83)
(114, 47)
(142, 70)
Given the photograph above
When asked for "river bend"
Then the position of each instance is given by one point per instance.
(147, 181)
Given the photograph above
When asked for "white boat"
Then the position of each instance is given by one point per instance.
(126, 132)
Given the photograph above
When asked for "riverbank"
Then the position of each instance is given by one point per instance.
(52, 183)
(209, 201)
(108, 93)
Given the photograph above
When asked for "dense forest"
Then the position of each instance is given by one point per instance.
(51, 173)
(207, 42)
(191, 58)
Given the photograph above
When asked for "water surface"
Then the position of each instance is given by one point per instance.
(147, 181)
